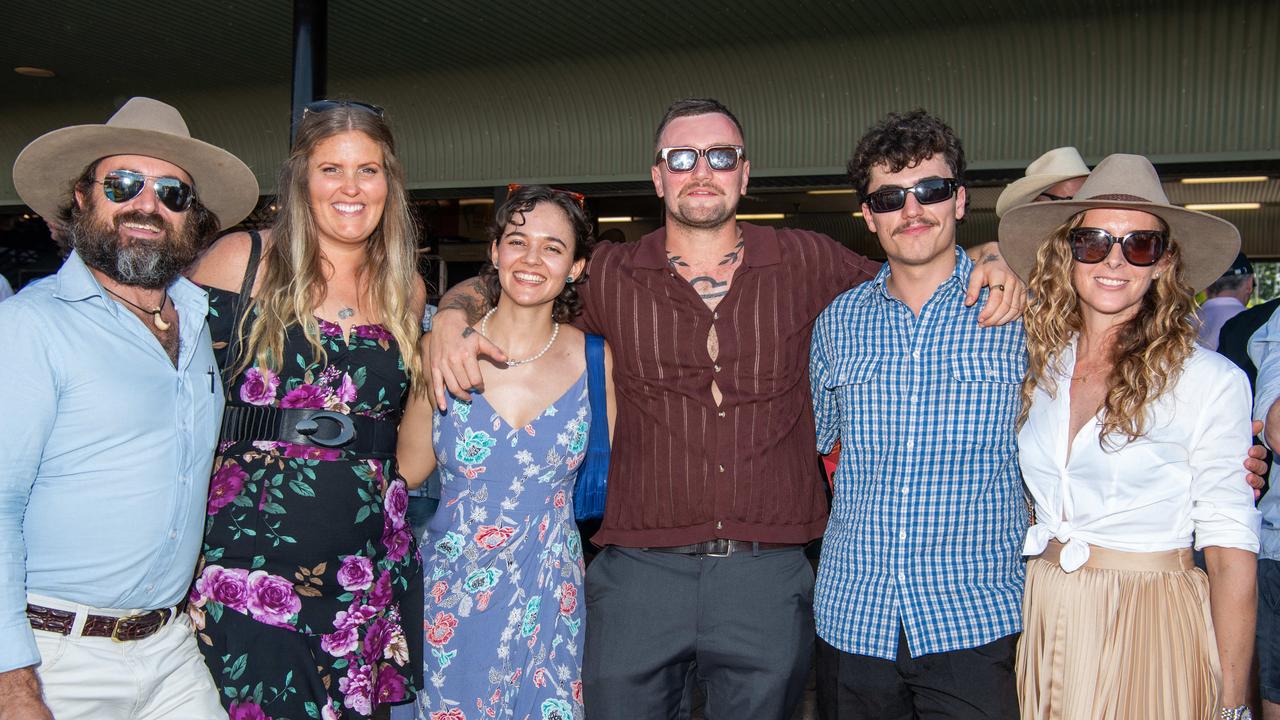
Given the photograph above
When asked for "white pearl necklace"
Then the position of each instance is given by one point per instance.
(555, 331)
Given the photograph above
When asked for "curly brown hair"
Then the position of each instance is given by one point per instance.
(1149, 349)
(567, 304)
(903, 140)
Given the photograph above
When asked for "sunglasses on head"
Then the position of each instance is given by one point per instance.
(124, 185)
(577, 197)
(721, 158)
(1140, 248)
(927, 192)
(322, 105)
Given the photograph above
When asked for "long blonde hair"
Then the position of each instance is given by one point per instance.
(1148, 350)
(293, 281)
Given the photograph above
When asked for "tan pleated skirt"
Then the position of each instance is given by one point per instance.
(1126, 637)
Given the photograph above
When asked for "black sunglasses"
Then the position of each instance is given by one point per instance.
(721, 158)
(322, 105)
(1141, 248)
(124, 185)
(927, 192)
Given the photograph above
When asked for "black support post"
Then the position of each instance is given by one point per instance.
(310, 53)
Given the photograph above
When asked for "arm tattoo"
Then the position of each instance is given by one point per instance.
(468, 331)
(465, 296)
(990, 258)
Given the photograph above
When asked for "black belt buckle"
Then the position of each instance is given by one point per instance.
(338, 428)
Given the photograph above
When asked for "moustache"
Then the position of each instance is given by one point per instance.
(138, 217)
(914, 224)
(705, 186)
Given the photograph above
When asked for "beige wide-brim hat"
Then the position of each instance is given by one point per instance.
(46, 168)
(1208, 244)
(1043, 173)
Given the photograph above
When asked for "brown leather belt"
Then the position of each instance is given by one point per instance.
(133, 627)
(722, 547)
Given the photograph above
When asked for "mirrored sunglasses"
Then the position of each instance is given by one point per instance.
(721, 158)
(927, 192)
(1140, 248)
(322, 105)
(124, 185)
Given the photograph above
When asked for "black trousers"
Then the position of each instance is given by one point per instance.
(741, 625)
(972, 684)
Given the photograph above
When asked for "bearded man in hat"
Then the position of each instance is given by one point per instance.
(113, 414)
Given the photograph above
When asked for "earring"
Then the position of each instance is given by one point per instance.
(569, 279)
(1156, 276)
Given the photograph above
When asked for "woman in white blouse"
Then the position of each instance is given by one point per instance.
(1131, 445)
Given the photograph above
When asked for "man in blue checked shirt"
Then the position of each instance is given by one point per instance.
(919, 593)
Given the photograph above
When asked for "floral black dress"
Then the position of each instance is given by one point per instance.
(307, 554)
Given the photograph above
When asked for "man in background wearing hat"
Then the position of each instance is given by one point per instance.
(1225, 299)
(112, 408)
(1055, 175)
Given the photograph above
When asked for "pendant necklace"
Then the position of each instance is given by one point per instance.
(156, 320)
(555, 330)
(346, 312)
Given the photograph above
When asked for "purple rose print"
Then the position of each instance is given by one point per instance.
(396, 504)
(390, 685)
(373, 332)
(376, 640)
(380, 594)
(347, 389)
(245, 710)
(340, 642)
(272, 599)
(227, 586)
(356, 573)
(357, 688)
(354, 616)
(225, 484)
(329, 328)
(305, 396)
(259, 386)
(397, 542)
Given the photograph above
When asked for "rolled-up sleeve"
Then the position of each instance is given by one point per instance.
(1221, 501)
(826, 410)
(28, 396)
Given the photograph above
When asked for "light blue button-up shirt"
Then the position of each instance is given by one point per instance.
(1264, 350)
(105, 451)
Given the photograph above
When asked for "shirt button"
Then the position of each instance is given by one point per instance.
(914, 399)
(173, 534)
(904, 489)
(719, 525)
(915, 354)
(721, 413)
(911, 444)
(902, 577)
(715, 316)
(716, 368)
(151, 588)
(721, 468)
(902, 535)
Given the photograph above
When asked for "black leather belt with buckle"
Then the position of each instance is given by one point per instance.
(722, 547)
(320, 428)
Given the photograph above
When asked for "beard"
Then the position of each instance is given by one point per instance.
(701, 218)
(151, 264)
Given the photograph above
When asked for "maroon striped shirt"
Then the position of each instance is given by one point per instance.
(683, 470)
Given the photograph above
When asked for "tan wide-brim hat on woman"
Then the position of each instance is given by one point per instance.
(46, 168)
(1208, 244)
(1043, 173)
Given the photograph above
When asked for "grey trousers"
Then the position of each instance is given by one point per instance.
(742, 624)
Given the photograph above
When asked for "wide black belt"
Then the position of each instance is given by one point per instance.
(319, 428)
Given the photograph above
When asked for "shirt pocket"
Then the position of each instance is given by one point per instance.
(854, 382)
(985, 396)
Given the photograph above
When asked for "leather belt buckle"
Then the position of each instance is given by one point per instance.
(340, 431)
(137, 627)
(714, 545)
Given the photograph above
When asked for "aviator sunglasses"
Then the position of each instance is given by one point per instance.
(124, 185)
(721, 158)
(927, 192)
(1141, 248)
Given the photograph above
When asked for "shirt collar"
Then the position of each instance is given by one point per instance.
(75, 283)
(959, 277)
(762, 247)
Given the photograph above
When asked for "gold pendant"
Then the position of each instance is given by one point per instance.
(158, 321)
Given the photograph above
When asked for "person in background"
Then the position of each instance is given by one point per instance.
(1131, 444)
(6, 290)
(1055, 175)
(111, 423)
(1224, 299)
(309, 598)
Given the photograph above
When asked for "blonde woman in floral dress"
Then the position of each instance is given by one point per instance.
(503, 573)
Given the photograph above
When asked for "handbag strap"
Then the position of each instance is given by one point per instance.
(599, 437)
(240, 307)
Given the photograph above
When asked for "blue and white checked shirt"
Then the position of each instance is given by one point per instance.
(929, 515)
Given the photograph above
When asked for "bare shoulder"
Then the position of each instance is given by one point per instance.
(223, 264)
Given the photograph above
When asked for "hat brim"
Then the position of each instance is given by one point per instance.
(1025, 189)
(45, 170)
(1208, 244)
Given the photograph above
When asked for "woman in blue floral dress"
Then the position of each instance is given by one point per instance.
(503, 572)
(310, 574)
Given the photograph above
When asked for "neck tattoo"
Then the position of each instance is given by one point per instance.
(156, 320)
(555, 331)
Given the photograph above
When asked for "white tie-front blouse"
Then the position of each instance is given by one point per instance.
(1185, 475)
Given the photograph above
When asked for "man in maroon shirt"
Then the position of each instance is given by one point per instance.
(714, 486)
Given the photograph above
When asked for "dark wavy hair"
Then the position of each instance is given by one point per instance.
(203, 222)
(567, 304)
(689, 107)
(901, 140)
